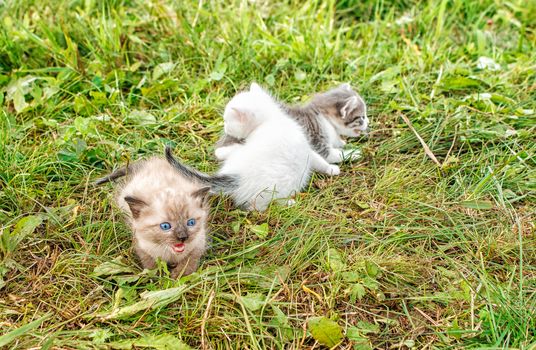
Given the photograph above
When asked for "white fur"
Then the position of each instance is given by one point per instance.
(276, 159)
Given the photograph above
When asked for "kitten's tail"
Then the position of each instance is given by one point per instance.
(113, 176)
(218, 183)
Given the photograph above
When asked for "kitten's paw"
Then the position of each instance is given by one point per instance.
(340, 143)
(335, 156)
(221, 153)
(333, 170)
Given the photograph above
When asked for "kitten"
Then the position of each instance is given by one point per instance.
(274, 161)
(339, 111)
(167, 213)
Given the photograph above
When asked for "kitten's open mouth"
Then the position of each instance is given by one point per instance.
(178, 248)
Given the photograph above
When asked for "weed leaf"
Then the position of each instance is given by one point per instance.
(23, 330)
(260, 230)
(24, 227)
(141, 117)
(360, 341)
(335, 260)
(253, 301)
(280, 322)
(367, 327)
(150, 300)
(114, 267)
(158, 342)
(357, 292)
(462, 83)
(325, 331)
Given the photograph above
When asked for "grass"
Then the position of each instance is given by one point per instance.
(397, 251)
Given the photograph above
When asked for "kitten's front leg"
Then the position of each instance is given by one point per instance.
(321, 165)
(335, 156)
(338, 142)
(338, 155)
(187, 266)
(147, 261)
(223, 152)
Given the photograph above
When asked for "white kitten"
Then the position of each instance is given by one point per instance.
(276, 160)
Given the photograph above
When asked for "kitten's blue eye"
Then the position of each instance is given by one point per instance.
(165, 226)
(190, 222)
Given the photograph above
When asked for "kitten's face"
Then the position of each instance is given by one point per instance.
(245, 112)
(237, 122)
(170, 220)
(346, 109)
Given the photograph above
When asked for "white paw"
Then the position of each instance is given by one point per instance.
(335, 156)
(333, 170)
(221, 153)
(340, 143)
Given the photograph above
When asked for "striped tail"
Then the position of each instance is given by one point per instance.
(113, 176)
(218, 183)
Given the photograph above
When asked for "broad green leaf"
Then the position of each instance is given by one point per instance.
(23, 330)
(351, 276)
(158, 342)
(454, 330)
(216, 76)
(253, 301)
(99, 336)
(361, 342)
(476, 204)
(461, 83)
(150, 300)
(335, 260)
(114, 267)
(280, 322)
(270, 80)
(325, 331)
(18, 101)
(163, 68)
(487, 63)
(367, 327)
(219, 71)
(235, 226)
(357, 292)
(260, 230)
(501, 99)
(24, 227)
(141, 117)
(300, 75)
(372, 269)
(370, 283)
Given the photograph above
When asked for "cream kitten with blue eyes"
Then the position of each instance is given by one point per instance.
(167, 213)
(274, 161)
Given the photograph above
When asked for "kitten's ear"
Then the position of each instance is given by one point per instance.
(201, 193)
(241, 115)
(346, 86)
(349, 106)
(135, 205)
(254, 87)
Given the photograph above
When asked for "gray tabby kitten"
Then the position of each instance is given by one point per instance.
(339, 111)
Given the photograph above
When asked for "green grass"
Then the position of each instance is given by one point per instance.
(398, 251)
